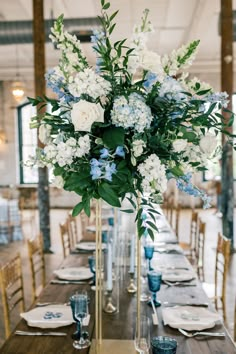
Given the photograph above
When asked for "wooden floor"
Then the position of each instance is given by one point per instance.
(54, 260)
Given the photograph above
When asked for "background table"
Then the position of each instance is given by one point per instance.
(10, 221)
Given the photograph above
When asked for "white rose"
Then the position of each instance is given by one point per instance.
(179, 145)
(208, 143)
(84, 114)
(44, 133)
(152, 62)
(58, 182)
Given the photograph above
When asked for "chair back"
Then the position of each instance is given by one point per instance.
(73, 230)
(65, 238)
(221, 270)
(11, 283)
(200, 249)
(37, 264)
(193, 232)
(86, 222)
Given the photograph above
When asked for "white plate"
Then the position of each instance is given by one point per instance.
(46, 317)
(76, 273)
(88, 246)
(177, 275)
(92, 228)
(189, 318)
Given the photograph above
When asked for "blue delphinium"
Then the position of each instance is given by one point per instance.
(104, 153)
(120, 151)
(150, 80)
(183, 183)
(95, 172)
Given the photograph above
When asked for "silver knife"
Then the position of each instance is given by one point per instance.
(54, 281)
(27, 333)
(171, 304)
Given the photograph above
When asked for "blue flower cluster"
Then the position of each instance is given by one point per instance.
(56, 83)
(150, 80)
(184, 184)
(105, 167)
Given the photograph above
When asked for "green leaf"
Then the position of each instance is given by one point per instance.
(77, 209)
(129, 211)
(113, 15)
(106, 6)
(151, 234)
(152, 225)
(113, 137)
(108, 194)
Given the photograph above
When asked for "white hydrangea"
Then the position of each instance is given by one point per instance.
(58, 182)
(179, 145)
(172, 89)
(84, 146)
(64, 153)
(137, 147)
(194, 154)
(154, 175)
(131, 113)
(89, 83)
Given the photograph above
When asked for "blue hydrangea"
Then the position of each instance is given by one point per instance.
(104, 153)
(150, 80)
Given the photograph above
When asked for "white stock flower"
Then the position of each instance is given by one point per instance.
(208, 144)
(58, 182)
(84, 114)
(44, 133)
(179, 144)
(84, 146)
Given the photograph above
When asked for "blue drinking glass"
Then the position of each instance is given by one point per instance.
(163, 345)
(79, 307)
(92, 267)
(149, 250)
(154, 284)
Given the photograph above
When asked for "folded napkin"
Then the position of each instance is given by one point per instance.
(189, 318)
(169, 248)
(51, 316)
(177, 275)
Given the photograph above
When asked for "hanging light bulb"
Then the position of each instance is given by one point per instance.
(18, 90)
(18, 87)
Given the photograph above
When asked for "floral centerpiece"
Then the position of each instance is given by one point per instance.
(126, 126)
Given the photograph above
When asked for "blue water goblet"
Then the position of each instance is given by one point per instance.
(148, 251)
(79, 307)
(163, 345)
(154, 284)
(92, 267)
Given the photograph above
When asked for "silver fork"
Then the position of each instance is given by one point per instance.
(28, 333)
(180, 283)
(193, 334)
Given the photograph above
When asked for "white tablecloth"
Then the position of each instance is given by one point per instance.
(9, 212)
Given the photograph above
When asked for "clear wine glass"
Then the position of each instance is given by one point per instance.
(154, 283)
(79, 306)
(142, 335)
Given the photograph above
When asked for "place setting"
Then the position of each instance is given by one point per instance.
(87, 247)
(53, 316)
(73, 275)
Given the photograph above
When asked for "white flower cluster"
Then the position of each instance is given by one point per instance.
(89, 83)
(172, 63)
(153, 175)
(64, 153)
(70, 47)
(131, 113)
(191, 85)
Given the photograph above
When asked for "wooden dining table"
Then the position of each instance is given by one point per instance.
(120, 325)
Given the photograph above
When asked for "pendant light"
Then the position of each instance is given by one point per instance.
(18, 87)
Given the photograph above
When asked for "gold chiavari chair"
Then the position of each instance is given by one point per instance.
(73, 230)
(217, 291)
(200, 249)
(37, 264)
(65, 238)
(86, 223)
(175, 220)
(11, 282)
(235, 321)
(190, 247)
